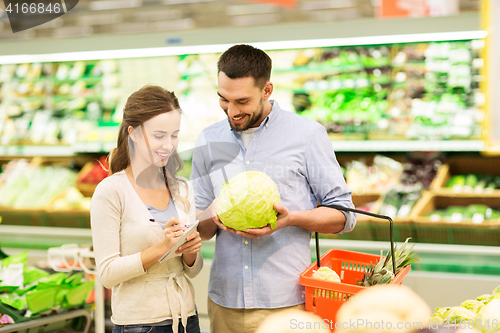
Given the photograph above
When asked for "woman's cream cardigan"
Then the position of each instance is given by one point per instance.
(120, 231)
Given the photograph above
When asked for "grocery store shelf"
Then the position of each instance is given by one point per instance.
(444, 258)
(338, 146)
(370, 246)
(408, 145)
(42, 238)
(57, 150)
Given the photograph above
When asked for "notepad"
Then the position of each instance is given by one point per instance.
(171, 253)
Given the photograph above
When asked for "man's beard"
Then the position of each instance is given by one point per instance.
(252, 121)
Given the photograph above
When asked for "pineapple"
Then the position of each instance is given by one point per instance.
(382, 272)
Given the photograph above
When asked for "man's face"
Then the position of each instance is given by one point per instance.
(242, 101)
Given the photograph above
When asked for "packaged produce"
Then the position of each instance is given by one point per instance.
(455, 214)
(37, 292)
(247, 201)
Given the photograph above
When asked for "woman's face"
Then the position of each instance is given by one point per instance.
(160, 134)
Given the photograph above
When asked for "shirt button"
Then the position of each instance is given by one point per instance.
(247, 162)
(246, 267)
(246, 242)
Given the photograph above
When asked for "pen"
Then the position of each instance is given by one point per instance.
(153, 220)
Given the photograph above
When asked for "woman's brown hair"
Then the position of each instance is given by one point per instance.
(143, 105)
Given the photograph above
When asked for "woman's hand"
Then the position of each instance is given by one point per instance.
(190, 248)
(173, 230)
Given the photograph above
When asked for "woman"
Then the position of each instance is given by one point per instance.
(147, 296)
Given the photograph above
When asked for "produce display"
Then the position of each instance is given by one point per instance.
(30, 186)
(455, 214)
(380, 177)
(402, 91)
(56, 103)
(405, 91)
(418, 173)
(482, 313)
(382, 272)
(70, 200)
(473, 183)
(94, 172)
(27, 292)
(246, 201)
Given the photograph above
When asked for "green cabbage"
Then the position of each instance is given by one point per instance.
(485, 298)
(458, 314)
(327, 274)
(472, 305)
(490, 317)
(246, 201)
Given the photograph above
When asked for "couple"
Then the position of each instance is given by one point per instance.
(253, 273)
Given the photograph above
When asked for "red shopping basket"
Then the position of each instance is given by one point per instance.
(324, 298)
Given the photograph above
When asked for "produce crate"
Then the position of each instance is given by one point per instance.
(324, 298)
(464, 166)
(86, 189)
(23, 217)
(75, 320)
(66, 219)
(402, 227)
(465, 232)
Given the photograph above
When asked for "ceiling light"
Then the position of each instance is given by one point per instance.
(179, 2)
(326, 4)
(250, 9)
(218, 48)
(182, 24)
(130, 28)
(114, 4)
(99, 19)
(158, 15)
(246, 20)
(335, 14)
(72, 32)
(55, 23)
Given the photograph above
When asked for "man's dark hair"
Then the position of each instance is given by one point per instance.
(243, 60)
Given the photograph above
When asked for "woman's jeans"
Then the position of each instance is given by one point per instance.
(193, 326)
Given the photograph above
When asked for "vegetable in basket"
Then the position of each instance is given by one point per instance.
(382, 272)
(246, 201)
(327, 274)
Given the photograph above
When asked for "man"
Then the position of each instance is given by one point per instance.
(255, 273)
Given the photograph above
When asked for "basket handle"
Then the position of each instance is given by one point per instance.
(346, 209)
